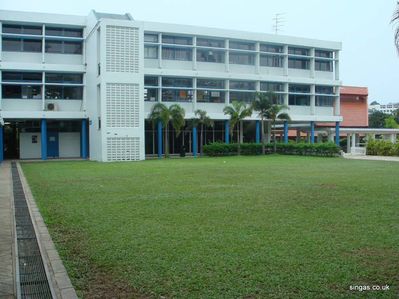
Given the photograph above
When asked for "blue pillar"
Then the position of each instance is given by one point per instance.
(312, 132)
(285, 131)
(227, 131)
(257, 131)
(195, 145)
(1, 144)
(337, 133)
(44, 139)
(83, 136)
(159, 128)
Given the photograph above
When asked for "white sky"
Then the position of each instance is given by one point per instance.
(368, 57)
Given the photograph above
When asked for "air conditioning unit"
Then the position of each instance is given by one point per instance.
(51, 107)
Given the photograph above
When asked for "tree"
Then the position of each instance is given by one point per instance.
(237, 112)
(395, 19)
(396, 115)
(274, 113)
(391, 123)
(203, 120)
(175, 114)
(262, 104)
(377, 119)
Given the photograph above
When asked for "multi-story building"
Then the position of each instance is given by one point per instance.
(385, 108)
(75, 86)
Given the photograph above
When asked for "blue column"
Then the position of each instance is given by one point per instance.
(83, 136)
(44, 139)
(285, 131)
(257, 131)
(227, 131)
(337, 133)
(312, 132)
(195, 144)
(1, 144)
(159, 128)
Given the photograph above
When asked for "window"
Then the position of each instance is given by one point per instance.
(271, 48)
(150, 52)
(271, 86)
(299, 88)
(21, 77)
(57, 92)
(150, 81)
(64, 78)
(210, 56)
(298, 51)
(210, 96)
(176, 54)
(177, 95)
(25, 29)
(151, 94)
(323, 66)
(324, 89)
(207, 42)
(324, 101)
(210, 83)
(299, 100)
(21, 91)
(242, 58)
(150, 38)
(241, 96)
(66, 32)
(243, 85)
(271, 60)
(296, 63)
(178, 40)
(177, 82)
(22, 45)
(241, 45)
(323, 54)
(63, 47)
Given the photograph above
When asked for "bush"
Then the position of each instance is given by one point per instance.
(382, 148)
(251, 149)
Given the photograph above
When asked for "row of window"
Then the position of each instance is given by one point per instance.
(238, 45)
(29, 85)
(218, 56)
(35, 45)
(38, 30)
(153, 81)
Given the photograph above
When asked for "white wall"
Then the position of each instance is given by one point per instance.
(27, 149)
(69, 144)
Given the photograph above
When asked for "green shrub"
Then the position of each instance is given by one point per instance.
(382, 148)
(304, 149)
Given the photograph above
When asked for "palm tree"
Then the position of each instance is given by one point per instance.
(237, 112)
(262, 104)
(203, 120)
(175, 114)
(395, 19)
(274, 113)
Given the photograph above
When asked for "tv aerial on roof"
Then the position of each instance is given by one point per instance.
(278, 22)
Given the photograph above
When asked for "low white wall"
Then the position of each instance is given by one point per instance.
(27, 148)
(69, 145)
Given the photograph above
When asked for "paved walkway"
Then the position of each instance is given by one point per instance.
(372, 158)
(7, 254)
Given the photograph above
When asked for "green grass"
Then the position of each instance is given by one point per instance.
(236, 227)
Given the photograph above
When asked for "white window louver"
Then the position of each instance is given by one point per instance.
(122, 105)
(123, 149)
(122, 49)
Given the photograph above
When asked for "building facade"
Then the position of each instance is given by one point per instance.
(385, 108)
(75, 86)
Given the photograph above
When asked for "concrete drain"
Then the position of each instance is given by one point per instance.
(33, 281)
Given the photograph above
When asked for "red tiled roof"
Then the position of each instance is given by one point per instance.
(354, 90)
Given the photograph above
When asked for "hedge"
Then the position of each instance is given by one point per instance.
(382, 148)
(305, 149)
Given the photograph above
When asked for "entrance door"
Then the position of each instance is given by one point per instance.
(52, 145)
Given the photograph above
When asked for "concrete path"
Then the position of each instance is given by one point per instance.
(372, 158)
(7, 237)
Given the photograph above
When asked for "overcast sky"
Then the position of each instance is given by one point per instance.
(368, 57)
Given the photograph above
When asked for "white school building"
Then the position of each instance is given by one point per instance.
(83, 86)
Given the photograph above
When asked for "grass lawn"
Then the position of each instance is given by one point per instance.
(236, 227)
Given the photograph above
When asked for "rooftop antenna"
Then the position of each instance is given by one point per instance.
(278, 22)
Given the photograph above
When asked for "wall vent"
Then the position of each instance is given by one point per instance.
(123, 149)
